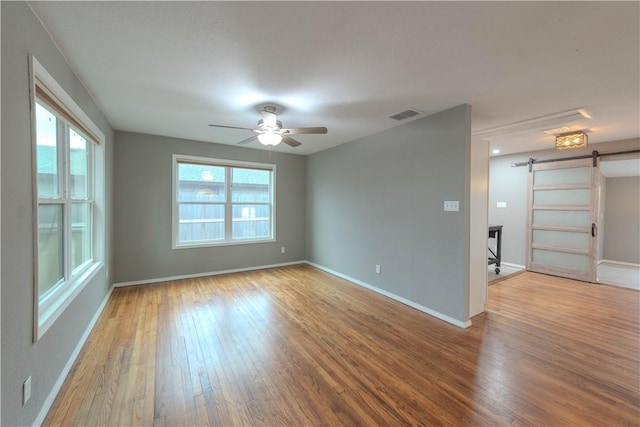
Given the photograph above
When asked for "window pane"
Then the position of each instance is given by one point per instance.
(561, 259)
(563, 176)
(46, 152)
(199, 222)
(575, 197)
(80, 234)
(79, 180)
(251, 221)
(563, 218)
(50, 247)
(562, 238)
(200, 183)
(250, 185)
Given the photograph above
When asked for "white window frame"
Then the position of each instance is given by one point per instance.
(228, 203)
(54, 302)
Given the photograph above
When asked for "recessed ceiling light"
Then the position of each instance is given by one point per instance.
(496, 151)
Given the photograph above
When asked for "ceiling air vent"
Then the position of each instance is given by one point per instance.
(406, 114)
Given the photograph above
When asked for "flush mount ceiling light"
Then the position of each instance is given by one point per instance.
(571, 140)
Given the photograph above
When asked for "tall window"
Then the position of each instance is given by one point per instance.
(66, 230)
(220, 202)
(65, 203)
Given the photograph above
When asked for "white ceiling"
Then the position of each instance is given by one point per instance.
(171, 68)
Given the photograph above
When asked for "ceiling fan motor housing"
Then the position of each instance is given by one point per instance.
(262, 127)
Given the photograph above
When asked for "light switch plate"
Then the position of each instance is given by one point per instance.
(451, 205)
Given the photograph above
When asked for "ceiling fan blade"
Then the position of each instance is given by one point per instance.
(317, 130)
(229, 127)
(269, 119)
(290, 141)
(248, 140)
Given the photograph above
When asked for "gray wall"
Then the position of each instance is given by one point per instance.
(379, 200)
(509, 184)
(622, 220)
(22, 35)
(142, 200)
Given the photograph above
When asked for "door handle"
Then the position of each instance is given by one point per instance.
(593, 229)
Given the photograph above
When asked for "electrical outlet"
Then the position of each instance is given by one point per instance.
(26, 391)
(501, 204)
(378, 268)
(282, 250)
(451, 205)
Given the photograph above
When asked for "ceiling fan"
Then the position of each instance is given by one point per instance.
(270, 131)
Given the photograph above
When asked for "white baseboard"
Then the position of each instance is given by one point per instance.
(618, 285)
(626, 264)
(46, 406)
(513, 265)
(196, 275)
(405, 301)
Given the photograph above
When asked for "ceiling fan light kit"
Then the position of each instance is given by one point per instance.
(269, 139)
(270, 132)
(571, 140)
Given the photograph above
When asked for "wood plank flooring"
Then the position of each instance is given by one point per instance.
(296, 346)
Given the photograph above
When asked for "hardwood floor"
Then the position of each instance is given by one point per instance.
(297, 346)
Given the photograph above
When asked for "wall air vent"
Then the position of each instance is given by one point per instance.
(406, 114)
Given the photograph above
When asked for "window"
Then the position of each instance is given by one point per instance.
(68, 229)
(220, 202)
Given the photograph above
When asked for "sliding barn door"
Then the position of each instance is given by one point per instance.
(562, 218)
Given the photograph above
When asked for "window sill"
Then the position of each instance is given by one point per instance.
(47, 317)
(221, 243)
